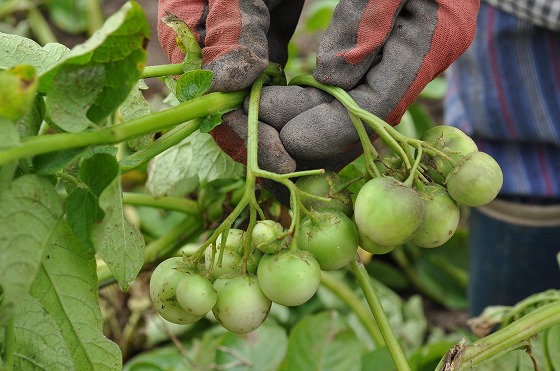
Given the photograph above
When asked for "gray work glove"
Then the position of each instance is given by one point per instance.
(383, 53)
(238, 39)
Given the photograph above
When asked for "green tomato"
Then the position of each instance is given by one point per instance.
(196, 294)
(450, 140)
(388, 212)
(442, 216)
(163, 287)
(330, 236)
(268, 236)
(325, 185)
(476, 180)
(368, 245)
(241, 306)
(232, 259)
(290, 277)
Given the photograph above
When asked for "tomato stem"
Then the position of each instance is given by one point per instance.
(507, 337)
(389, 336)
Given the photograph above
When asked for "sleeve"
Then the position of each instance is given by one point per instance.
(543, 13)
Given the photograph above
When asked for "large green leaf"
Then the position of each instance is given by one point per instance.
(97, 76)
(322, 342)
(29, 212)
(261, 350)
(196, 160)
(38, 342)
(66, 286)
(15, 49)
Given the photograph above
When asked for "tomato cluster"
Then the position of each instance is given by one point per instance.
(245, 272)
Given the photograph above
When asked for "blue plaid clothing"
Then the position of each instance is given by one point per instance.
(505, 93)
(545, 13)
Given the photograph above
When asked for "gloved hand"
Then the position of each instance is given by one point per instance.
(238, 38)
(382, 52)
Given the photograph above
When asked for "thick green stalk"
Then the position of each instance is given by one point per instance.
(166, 141)
(154, 122)
(355, 304)
(368, 289)
(508, 337)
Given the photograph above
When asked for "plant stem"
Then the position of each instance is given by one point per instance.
(162, 70)
(353, 301)
(508, 337)
(184, 205)
(95, 16)
(166, 141)
(368, 289)
(154, 122)
(40, 27)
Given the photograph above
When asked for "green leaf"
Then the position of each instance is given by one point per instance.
(186, 42)
(115, 54)
(18, 87)
(381, 358)
(10, 138)
(29, 212)
(263, 349)
(97, 172)
(135, 106)
(193, 84)
(116, 241)
(96, 215)
(210, 122)
(30, 123)
(72, 95)
(15, 49)
(51, 163)
(38, 342)
(322, 342)
(197, 159)
(66, 286)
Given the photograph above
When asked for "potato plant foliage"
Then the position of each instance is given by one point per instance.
(96, 187)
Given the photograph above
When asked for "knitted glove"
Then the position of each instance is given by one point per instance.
(383, 52)
(238, 38)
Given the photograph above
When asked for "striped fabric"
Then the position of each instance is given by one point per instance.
(505, 93)
(545, 13)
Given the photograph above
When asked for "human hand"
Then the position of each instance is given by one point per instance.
(238, 39)
(382, 52)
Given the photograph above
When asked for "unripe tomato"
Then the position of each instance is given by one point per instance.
(442, 216)
(476, 180)
(290, 277)
(241, 306)
(163, 287)
(232, 259)
(196, 294)
(330, 236)
(325, 185)
(388, 212)
(450, 140)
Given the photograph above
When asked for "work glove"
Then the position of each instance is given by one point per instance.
(383, 53)
(238, 39)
